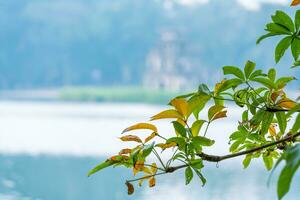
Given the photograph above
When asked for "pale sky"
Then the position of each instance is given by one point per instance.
(248, 4)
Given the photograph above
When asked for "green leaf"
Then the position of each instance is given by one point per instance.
(203, 88)
(230, 83)
(235, 145)
(297, 20)
(188, 175)
(296, 126)
(295, 48)
(292, 158)
(266, 36)
(266, 122)
(283, 19)
(197, 164)
(249, 68)
(179, 128)
(277, 29)
(296, 64)
(179, 141)
(147, 149)
(201, 177)
(272, 74)
(197, 103)
(197, 125)
(282, 121)
(247, 160)
(203, 141)
(100, 167)
(256, 73)
(234, 71)
(268, 161)
(264, 81)
(282, 46)
(280, 83)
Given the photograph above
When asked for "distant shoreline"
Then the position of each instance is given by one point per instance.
(126, 94)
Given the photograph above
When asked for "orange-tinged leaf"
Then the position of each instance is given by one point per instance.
(138, 166)
(150, 137)
(131, 138)
(154, 168)
(295, 2)
(181, 105)
(287, 103)
(272, 130)
(130, 188)
(214, 110)
(125, 151)
(218, 85)
(167, 114)
(220, 115)
(152, 182)
(141, 126)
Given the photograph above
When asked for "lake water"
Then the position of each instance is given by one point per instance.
(46, 150)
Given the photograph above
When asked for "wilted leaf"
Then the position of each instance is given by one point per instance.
(295, 2)
(141, 126)
(130, 188)
(152, 182)
(220, 115)
(138, 166)
(214, 110)
(167, 145)
(167, 114)
(131, 138)
(150, 137)
(125, 151)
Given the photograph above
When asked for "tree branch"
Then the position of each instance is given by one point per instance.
(214, 158)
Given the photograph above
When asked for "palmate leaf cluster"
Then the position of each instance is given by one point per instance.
(268, 129)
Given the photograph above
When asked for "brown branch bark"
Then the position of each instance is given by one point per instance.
(215, 158)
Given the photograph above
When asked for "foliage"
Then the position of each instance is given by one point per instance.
(264, 132)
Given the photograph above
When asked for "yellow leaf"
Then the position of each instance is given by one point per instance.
(295, 2)
(131, 138)
(141, 126)
(181, 105)
(220, 115)
(287, 103)
(167, 145)
(152, 182)
(167, 114)
(272, 130)
(130, 188)
(147, 170)
(125, 151)
(150, 137)
(154, 168)
(141, 182)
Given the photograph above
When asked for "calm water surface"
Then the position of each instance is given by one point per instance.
(46, 150)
